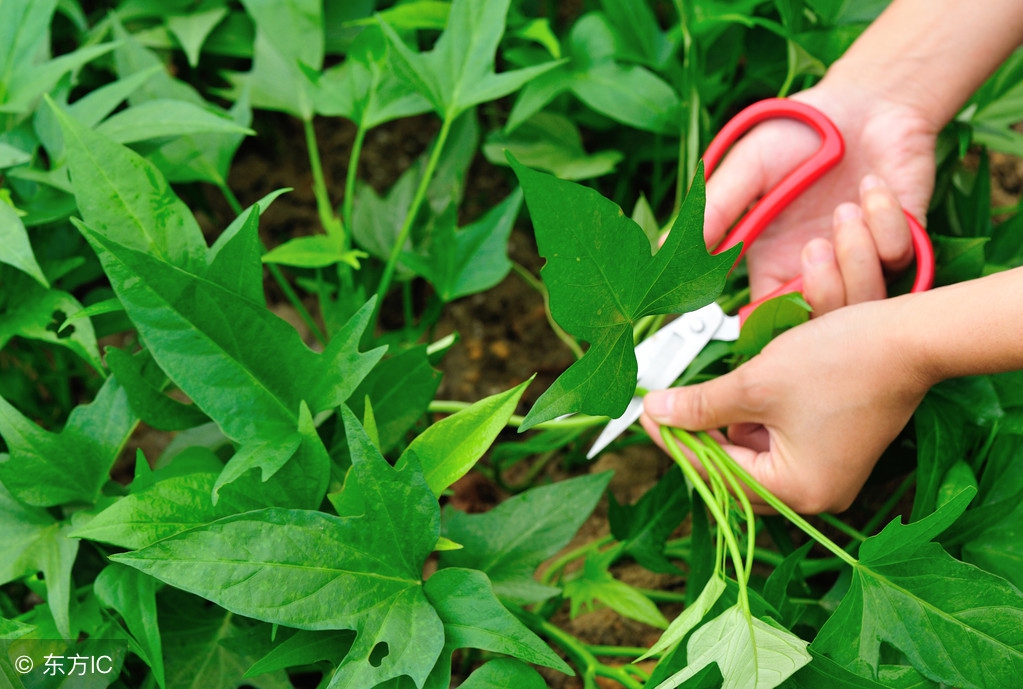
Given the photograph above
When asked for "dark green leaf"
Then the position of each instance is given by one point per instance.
(509, 542)
(305, 648)
(502, 673)
(602, 279)
(143, 382)
(644, 527)
(36, 313)
(133, 595)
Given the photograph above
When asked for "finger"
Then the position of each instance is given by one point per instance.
(823, 288)
(857, 256)
(720, 402)
(887, 223)
(738, 181)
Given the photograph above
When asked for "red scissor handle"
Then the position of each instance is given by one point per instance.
(795, 183)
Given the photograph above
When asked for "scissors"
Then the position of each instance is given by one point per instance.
(667, 353)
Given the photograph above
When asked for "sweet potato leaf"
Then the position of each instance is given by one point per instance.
(15, 248)
(504, 672)
(354, 572)
(46, 468)
(595, 584)
(510, 541)
(37, 313)
(957, 624)
(474, 618)
(133, 595)
(602, 279)
(143, 382)
(459, 72)
(644, 527)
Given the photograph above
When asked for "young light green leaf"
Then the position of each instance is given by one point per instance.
(15, 247)
(510, 541)
(316, 251)
(596, 583)
(688, 619)
(750, 656)
(46, 468)
(957, 624)
(459, 72)
(165, 118)
(602, 279)
(472, 259)
(133, 595)
(449, 448)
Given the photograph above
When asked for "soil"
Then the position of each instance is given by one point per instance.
(504, 334)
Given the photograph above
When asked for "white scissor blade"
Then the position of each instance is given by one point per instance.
(662, 358)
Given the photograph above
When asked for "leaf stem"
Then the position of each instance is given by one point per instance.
(574, 421)
(780, 506)
(882, 514)
(531, 280)
(351, 175)
(838, 524)
(331, 223)
(582, 551)
(413, 211)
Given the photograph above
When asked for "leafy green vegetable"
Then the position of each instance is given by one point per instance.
(603, 279)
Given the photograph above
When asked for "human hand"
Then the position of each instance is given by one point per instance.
(889, 158)
(812, 440)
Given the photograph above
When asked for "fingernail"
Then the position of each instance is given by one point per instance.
(846, 212)
(869, 182)
(659, 404)
(819, 252)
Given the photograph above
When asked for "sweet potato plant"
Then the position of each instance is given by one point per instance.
(298, 526)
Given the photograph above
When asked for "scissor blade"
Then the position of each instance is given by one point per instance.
(662, 358)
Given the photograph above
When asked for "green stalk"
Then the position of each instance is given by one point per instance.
(576, 421)
(779, 506)
(331, 223)
(351, 175)
(417, 201)
(889, 504)
(712, 504)
(837, 523)
(747, 508)
(582, 551)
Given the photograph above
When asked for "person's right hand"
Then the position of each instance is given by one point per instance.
(889, 160)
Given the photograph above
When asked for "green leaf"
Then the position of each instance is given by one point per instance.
(205, 646)
(400, 388)
(631, 95)
(769, 320)
(459, 72)
(366, 88)
(234, 259)
(316, 251)
(510, 541)
(688, 619)
(504, 672)
(32, 541)
(639, 36)
(46, 468)
(209, 339)
(954, 622)
(750, 654)
(596, 583)
(192, 30)
(371, 563)
(133, 595)
(449, 448)
(602, 279)
(941, 442)
(15, 247)
(551, 142)
(175, 505)
(164, 118)
(143, 382)
(472, 259)
(36, 313)
(420, 14)
(11, 156)
(474, 618)
(305, 648)
(124, 198)
(644, 527)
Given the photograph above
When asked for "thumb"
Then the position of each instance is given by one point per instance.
(715, 404)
